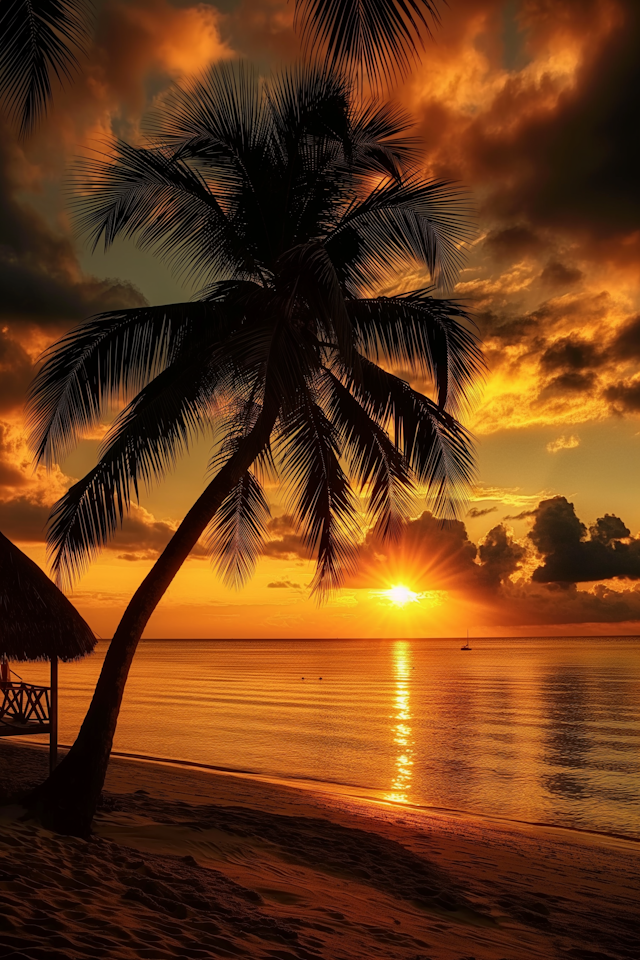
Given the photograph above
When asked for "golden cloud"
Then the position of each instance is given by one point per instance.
(563, 443)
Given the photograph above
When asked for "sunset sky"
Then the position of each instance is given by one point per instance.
(532, 105)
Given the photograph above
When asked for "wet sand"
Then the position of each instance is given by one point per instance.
(191, 864)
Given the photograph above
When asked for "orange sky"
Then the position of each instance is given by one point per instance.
(531, 105)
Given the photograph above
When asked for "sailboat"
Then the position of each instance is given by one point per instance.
(467, 645)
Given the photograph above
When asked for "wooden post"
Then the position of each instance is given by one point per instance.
(53, 716)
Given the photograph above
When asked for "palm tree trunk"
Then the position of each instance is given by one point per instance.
(67, 800)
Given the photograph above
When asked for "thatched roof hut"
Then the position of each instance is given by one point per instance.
(37, 622)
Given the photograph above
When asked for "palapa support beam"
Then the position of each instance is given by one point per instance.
(53, 716)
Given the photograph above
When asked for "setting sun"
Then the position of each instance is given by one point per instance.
(401, 595)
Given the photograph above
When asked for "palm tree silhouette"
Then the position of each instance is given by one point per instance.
(292, 205)
(42, 38)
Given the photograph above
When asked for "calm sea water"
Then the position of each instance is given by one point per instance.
(535, 730)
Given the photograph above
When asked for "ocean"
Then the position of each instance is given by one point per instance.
(533, 730)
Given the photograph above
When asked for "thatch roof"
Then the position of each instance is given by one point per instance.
(36, 619)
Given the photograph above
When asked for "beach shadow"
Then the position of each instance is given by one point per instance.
(346, 853)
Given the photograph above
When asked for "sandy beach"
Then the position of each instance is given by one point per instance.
(189, 863)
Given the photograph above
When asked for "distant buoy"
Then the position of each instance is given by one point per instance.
(303, 678)
(319, 678)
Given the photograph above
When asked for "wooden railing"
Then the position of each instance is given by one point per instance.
(24, 705)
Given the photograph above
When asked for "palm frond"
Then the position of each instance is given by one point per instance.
(381, 37)
(375, 463)
(268, 363)
(380, 144)
(106, 359)
(428, 336)
(309, 273)
(40, 41)
(321, 500)
(238, 532)
(438, 449)
(218, 116)
(145, 441)
(419, 220)
(293, 361)
(309, 100)
(163, 203)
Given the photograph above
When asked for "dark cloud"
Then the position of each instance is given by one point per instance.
(285, 523)
(432, 553)
(569, 383)
(44, 291)
(285, 543)
(26, 499)
(557, 274)
(508, 330)
(608, 528)
(571, 354)
(570, 557)
(12, 476)
(476, 512)
(283, 585)
(549, 148)
(573, 165)
(577, 310)
(535, 329)
(288, 547)
(556, 524)
(41, 281)
(530, 603)
(500, 556)
(143, 537)
(16, 372)
(584, 157)
(24, 518)
(571, 553)
(513, 242)
(624, 396)
(585, 371)
(436, 554)
(521, 516)
(626, 344)
(262, 30)
(25, 496)
(446, 559)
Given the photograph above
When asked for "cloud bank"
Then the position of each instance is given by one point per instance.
(532, 580)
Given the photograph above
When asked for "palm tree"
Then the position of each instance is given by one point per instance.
(291, 205)
(41, 39)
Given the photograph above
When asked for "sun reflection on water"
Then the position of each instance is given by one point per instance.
(401, 717)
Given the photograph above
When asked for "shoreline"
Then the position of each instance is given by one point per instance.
(188, 862)
(354, 793)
